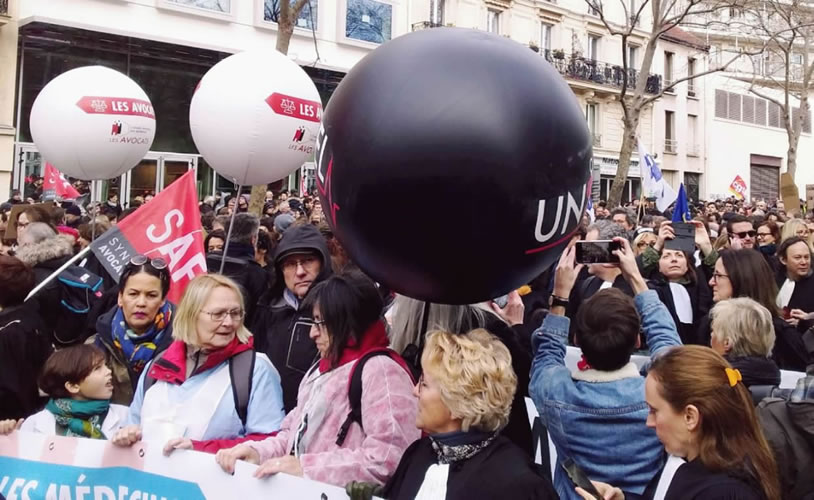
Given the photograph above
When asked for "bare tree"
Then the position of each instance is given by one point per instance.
(786, 29)
(287, 12)
(636, 95)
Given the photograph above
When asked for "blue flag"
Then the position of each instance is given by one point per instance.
(681, 211)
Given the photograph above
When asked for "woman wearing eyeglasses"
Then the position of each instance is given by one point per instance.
(138, 327)
(745, 273)
(208, 390)
(318, 439)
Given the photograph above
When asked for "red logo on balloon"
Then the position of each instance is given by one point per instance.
(116, 106)
(295, 107)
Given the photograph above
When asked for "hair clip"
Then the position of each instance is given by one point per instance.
(734, 376)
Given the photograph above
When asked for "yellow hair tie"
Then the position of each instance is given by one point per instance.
(734, 376)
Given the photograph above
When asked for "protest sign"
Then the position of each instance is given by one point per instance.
(39, 467)
(168, 227)
(738, 187)
(790, 194)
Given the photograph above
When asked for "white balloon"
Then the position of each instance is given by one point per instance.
(255, 117)
(92, 123)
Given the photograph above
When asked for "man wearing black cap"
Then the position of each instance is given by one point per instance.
(281, 327)
(73, 216)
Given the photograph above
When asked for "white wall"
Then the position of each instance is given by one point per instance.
(243, 31)
(731, 143)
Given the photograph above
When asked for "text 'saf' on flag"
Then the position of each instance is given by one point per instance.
(168, 227)
(55, 185)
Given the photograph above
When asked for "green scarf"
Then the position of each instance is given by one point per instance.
(80, 418)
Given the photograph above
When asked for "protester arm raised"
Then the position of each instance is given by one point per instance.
(657, 323)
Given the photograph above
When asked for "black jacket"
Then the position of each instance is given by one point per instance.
(24, 347)
(247, 273)
(584, 290)
(693, 481)
(789, 429)
(500, 471)
(700, 301)
(756, 370)
(283, 332)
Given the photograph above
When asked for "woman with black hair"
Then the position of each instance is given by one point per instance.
(318, 439)
(681, 284)
(138, 327)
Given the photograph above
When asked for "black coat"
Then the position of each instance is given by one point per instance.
(693, 481)
(700, 301)
(283, 332)
(24, 347)
(584, 290)
(245, 271)
(500, 471)
(756, 370)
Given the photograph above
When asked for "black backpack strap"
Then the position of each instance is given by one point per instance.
(355, 394)
(241, 373)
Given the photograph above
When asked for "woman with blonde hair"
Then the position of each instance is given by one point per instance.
(743, 333)
(208, 390)
(795, 227)
(464, 399)
(703, 412)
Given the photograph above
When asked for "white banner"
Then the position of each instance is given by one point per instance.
(40, 467)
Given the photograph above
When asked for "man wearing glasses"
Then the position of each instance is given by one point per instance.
(741, 232)
(282, 326)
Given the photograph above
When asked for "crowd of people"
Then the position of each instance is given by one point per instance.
(286, 355)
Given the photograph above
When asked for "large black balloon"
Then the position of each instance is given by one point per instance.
(438, 152)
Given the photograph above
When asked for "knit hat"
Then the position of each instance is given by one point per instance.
(283, 222)
(73, 210)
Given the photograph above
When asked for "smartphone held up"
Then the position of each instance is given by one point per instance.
(597, 252)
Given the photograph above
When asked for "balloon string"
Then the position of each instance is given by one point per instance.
(231, 226)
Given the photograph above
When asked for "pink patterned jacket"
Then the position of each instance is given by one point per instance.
(388, 417)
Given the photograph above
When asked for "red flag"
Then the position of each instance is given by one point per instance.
(55, 185)
(738, 187)
(169, 227)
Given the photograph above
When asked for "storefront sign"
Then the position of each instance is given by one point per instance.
(608, 166)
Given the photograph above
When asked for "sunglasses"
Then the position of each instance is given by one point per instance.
(157, 263)
(744, 234)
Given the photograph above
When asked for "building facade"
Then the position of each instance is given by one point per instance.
(167, 45)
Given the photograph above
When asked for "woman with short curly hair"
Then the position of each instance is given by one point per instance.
(464, 399)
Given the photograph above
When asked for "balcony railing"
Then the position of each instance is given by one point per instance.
(693, 149)
(691, 88)
(3, 7)
(602, 73)
(597, 140)
(670, 146)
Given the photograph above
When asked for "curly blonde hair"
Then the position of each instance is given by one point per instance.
(475, 377)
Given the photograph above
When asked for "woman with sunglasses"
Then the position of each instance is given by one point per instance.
(208, 390)
(138, 327)
(318, 439)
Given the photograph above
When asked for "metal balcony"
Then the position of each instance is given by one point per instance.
(670, 146)
(598, 72)
(693, 149)
(597, 140)
(3, 10)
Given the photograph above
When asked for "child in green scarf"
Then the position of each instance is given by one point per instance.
(80, 386)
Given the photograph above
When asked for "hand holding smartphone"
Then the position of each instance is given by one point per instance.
(597, 252)
(579, 478)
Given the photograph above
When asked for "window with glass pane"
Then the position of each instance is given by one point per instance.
(369, 21)
(632, 54)
(493, 21)
(545, 36)
(307, 18)
(593, 47)
(668, 68)
(590, 116)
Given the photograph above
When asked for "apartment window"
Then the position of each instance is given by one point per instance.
(668, 68)
(632, 56)
(545, 36)
(690, 73)
(692, 138)
(669, 132)
(592, 116)
(591, 10)
(593, 47)
(369, 21)
(437, 12)
(307, 18)
(796, 58)
(493, 21)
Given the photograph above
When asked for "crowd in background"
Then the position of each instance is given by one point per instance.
(292, 359)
